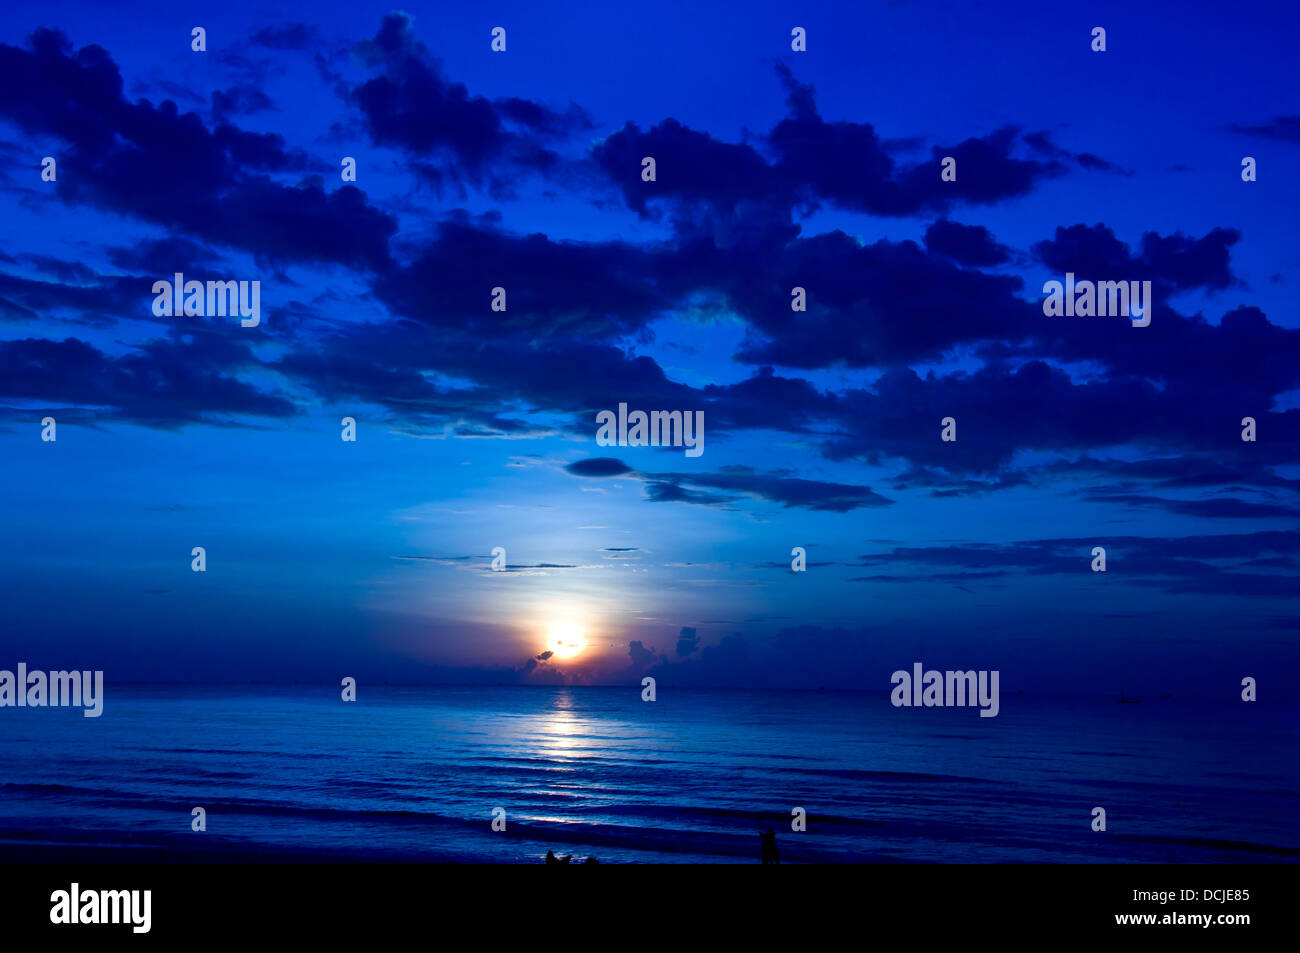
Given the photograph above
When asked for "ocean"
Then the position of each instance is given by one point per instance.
(415, 774)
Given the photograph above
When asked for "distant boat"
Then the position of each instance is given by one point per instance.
(1125, 700)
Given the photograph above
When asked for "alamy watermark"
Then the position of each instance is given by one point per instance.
(935, 689)
(213, 299)
(659, 428)
(53, 690)
(1101, 299)
(75, 906)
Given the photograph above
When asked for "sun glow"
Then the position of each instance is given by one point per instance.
(565, 640)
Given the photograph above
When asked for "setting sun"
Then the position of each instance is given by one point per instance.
(565, 640)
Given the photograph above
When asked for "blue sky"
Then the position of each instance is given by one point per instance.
(476, 428)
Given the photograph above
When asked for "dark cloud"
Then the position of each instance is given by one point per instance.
(1186, 564)
(433, 356)
(239, 101)
(1189, 471)
(596, 290)
(1176, 261)
(737, 481)
(79, 297)
(294, 36)
(951, 577)
(945, 484)
(657, 492)
(872, 305)
(689, 166)
(687, 642)
(185, 377)
(412, 106)
(970, 245)
(1216, 508)
(164, 166)
(524, 366)
(846, 164)
(727, 662)
(1002, 409)
(640, 655)
(813, 161)
(1042, 143)
(1280, 129)
(598, 467)
(767, 401)
(179, 252)
(776, 487)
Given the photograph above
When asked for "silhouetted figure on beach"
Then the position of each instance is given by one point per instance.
(552, 859)
(769, 852)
